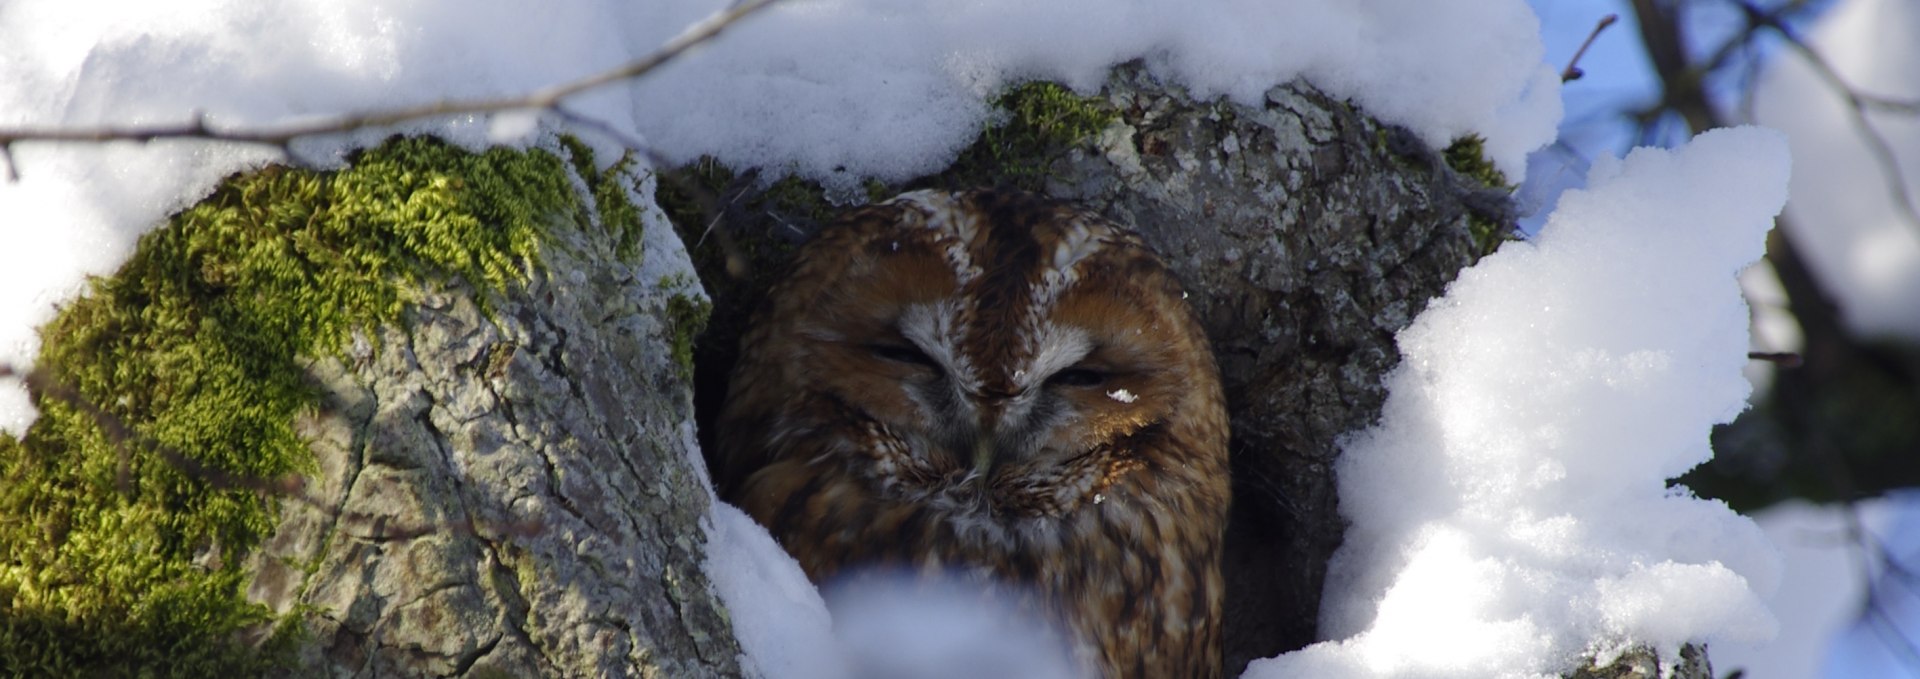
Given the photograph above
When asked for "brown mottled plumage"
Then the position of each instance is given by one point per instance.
(994, 382)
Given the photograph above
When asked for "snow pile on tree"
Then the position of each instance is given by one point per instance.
(1512, 506)
(834, 90)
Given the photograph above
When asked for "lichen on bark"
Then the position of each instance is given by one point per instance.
(119, 551)
(1304, 242)
(156, 524)
(484, 369)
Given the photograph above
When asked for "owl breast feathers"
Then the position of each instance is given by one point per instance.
(994, 383)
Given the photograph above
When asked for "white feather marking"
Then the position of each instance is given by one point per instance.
(936, 330)
(1122, 396)
(1056, 347)
(956, 227)
(1080, 240)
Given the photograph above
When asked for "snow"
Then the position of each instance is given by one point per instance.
(876, 624)
(832, 89)
(1879, 642)
(906, 625)
(782, 623)
(1511, 509)
(1821, 589)
(1844, 216)
(1402, 60)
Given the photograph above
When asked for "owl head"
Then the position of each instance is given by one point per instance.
(989, 350)
(1001, 386)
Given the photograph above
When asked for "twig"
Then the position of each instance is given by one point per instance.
(281, 136)
(1858, 103)
(1573, 71)
(1784, 359)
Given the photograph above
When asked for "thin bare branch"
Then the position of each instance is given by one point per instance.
(282, 135)
(1857, 106)
(1573, 72)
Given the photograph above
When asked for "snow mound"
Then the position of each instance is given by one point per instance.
(831, 89)
(1512, 506)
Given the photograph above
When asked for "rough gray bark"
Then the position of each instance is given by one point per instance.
(1643, 663)
(1306, 234)
(507, 496)
(1306, 243)
(514, 494)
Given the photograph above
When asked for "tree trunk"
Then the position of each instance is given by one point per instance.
(1306, 234)
(509, 490)
(506, 484)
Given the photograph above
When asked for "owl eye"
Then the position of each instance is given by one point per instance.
(903, 353)
(1078, 377)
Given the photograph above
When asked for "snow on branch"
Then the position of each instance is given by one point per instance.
(282, 136)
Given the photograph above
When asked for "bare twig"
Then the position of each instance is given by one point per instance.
(1876, 615)
(1784, 359)
(1857, 106)
(126, 439)
(281, 136)
(1573, 71)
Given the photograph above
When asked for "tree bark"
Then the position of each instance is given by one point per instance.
(1306, 234)
(1306, 243)
(509, 492)
(515, 489)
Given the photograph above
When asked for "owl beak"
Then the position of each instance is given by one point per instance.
(982, 461)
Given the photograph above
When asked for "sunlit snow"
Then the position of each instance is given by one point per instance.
(1511, 509)
(833, 89)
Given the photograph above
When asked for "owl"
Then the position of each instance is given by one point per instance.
(994, 383)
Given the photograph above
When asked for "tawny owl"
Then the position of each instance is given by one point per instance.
(992, 382)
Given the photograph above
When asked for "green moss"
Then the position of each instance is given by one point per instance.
(127, 509)
(735, 263)
(1043, 120)
(1467, 156)
(619, 216)
(680, 194)
(688, 317)
(795, 197)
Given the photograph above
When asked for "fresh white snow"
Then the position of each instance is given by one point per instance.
(781, 622)
(833, 89)
(1822, 587)
(1511, 508)
(909, 625)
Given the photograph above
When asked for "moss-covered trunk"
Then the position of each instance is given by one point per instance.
(419, 417)
(434, 414)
